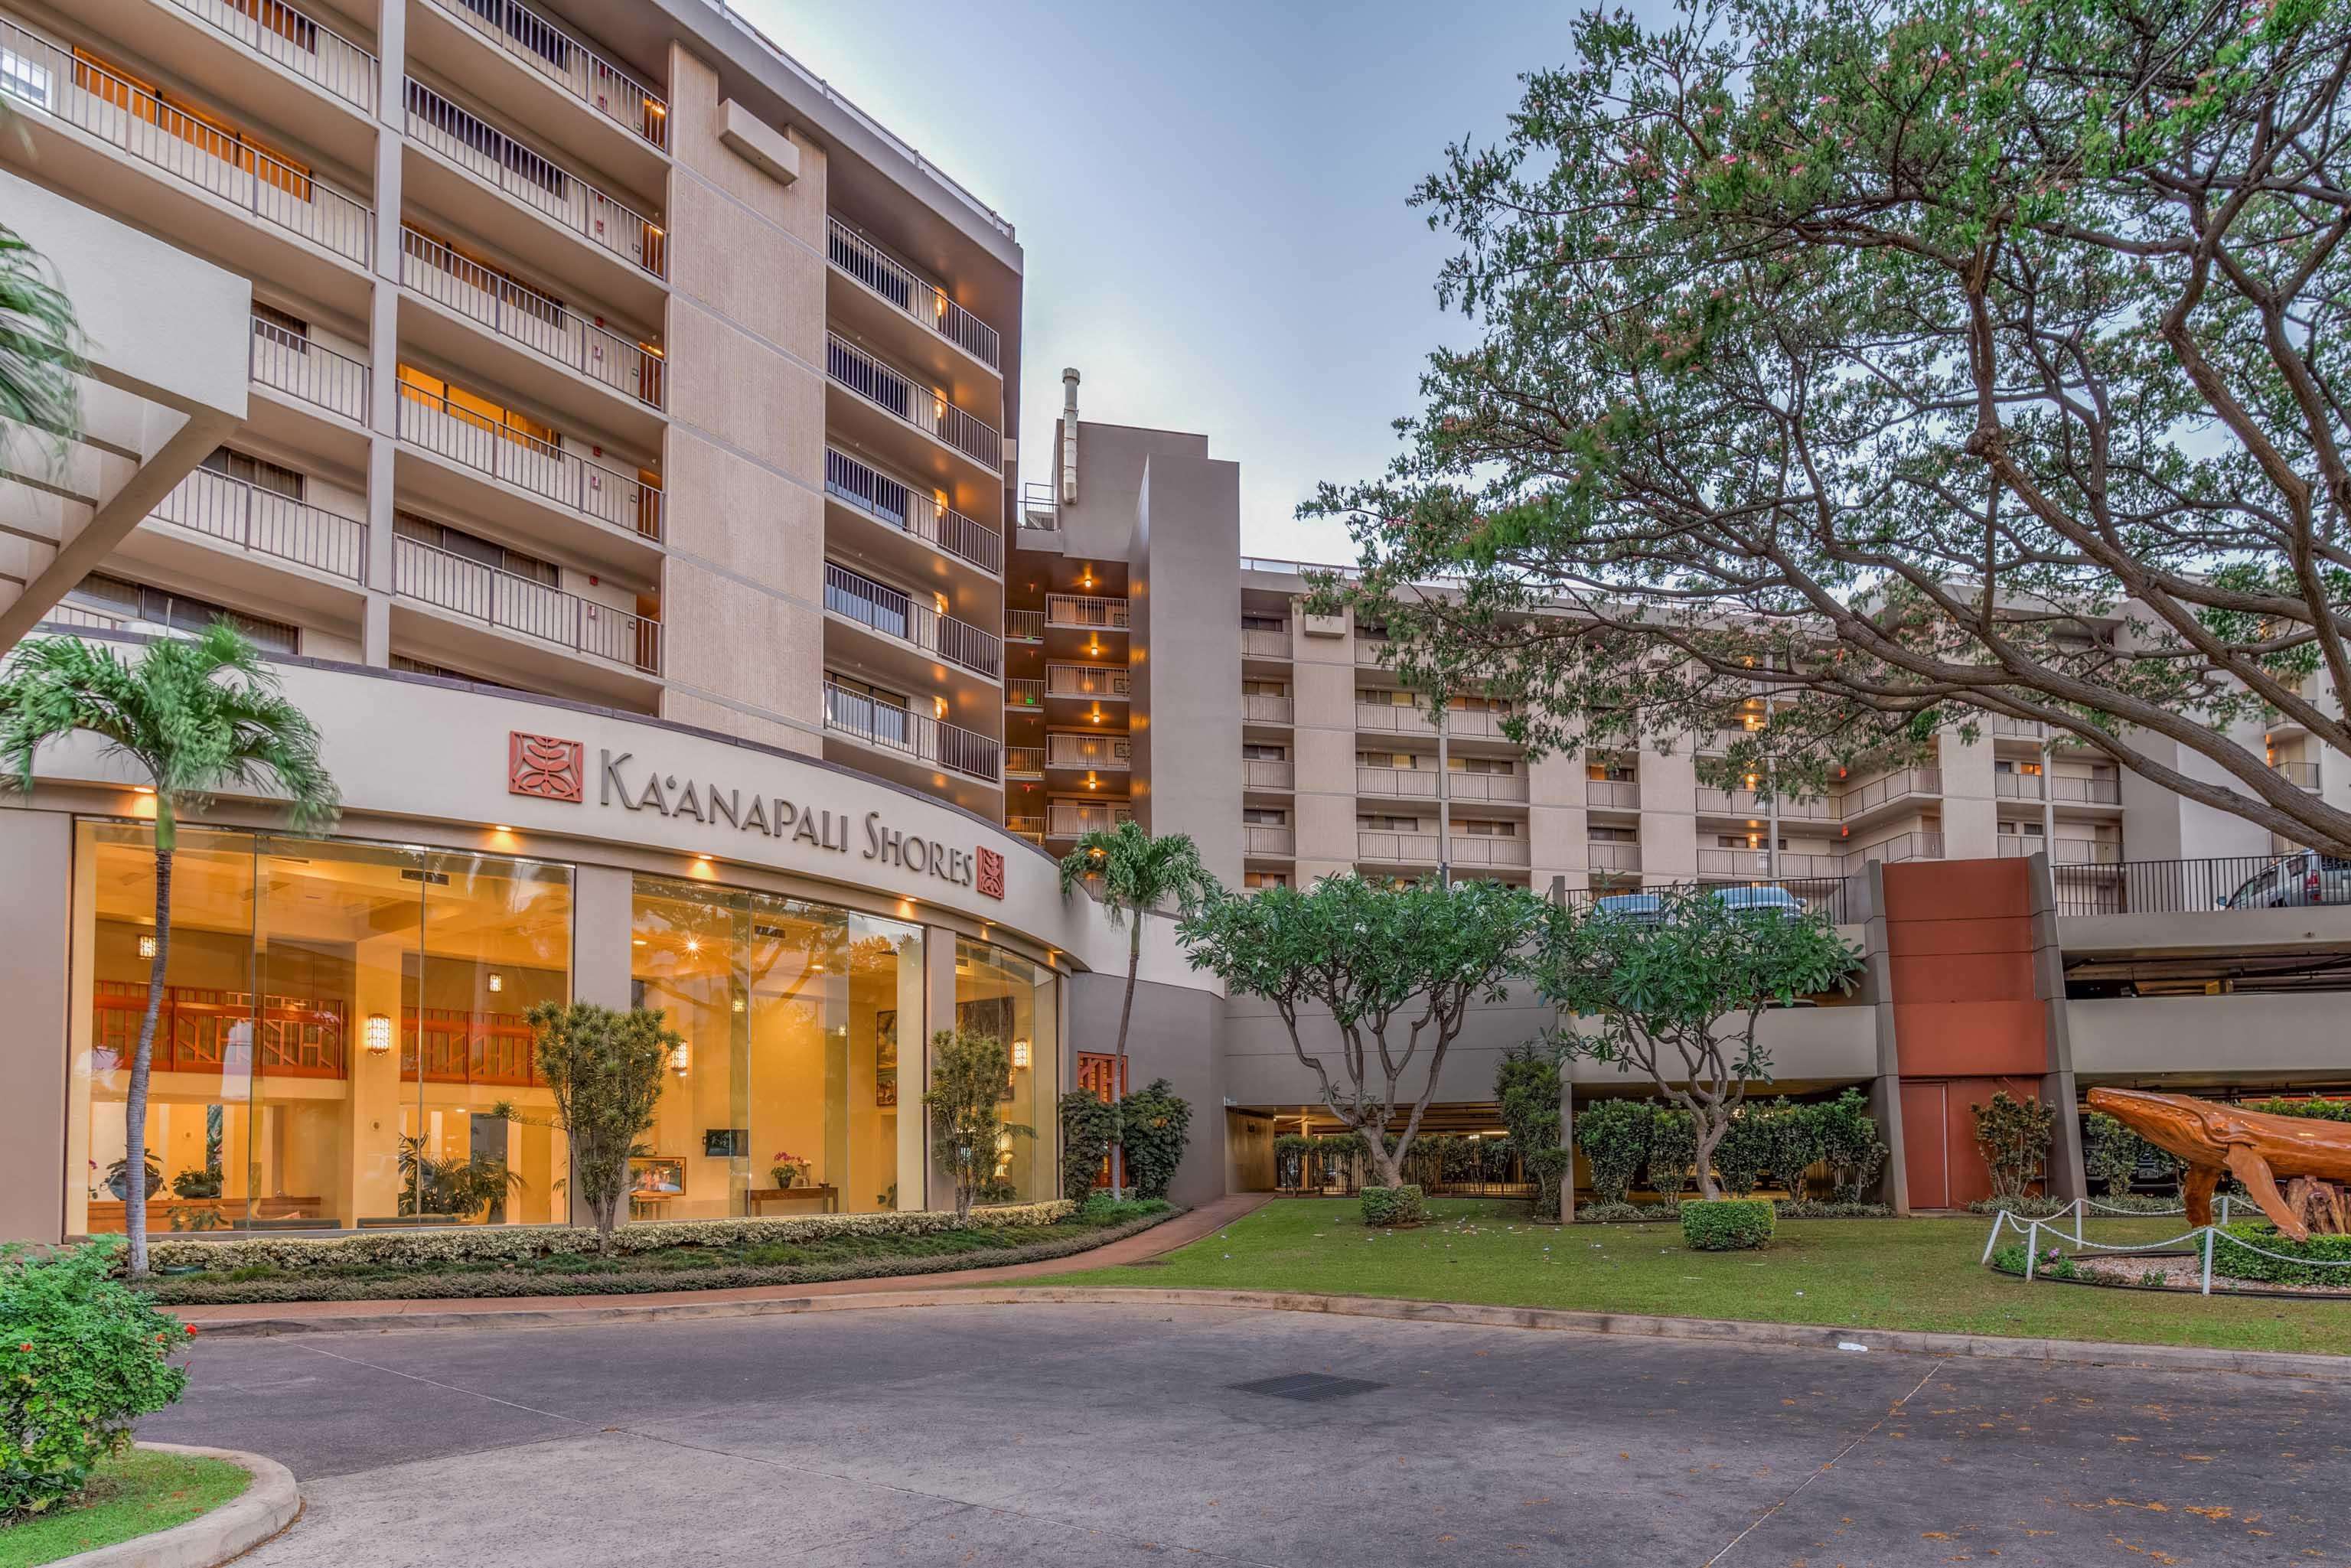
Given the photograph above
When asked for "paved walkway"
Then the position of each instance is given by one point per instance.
(1059, 1436)
(1164, 1238)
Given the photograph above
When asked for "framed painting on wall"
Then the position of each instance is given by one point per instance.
(656, 1176)
(885, 1057)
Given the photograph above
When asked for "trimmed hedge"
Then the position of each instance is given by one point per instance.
(1783, 1208)
(1727, 1224)
(522, 1243)
(2242, 1263)
(1389, 1206)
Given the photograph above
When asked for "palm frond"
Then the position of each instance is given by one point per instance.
(40, 346)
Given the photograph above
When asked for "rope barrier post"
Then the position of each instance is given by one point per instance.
(2032, 1251)
(2208, 1233)
(2224, 1208)
(2081, 1212)
(1999, 1218)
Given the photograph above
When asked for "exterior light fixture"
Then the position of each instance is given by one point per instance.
(694, 945)
(681, 1057)
(1020, 1054)
(739, 1004)
(497, 982)
(379, 1034)
(146, 944)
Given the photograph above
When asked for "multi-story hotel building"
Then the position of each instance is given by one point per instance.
(610, 434)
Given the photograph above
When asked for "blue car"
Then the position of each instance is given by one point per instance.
(1649, 908)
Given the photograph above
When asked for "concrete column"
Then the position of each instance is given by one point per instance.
(937, 1182)
(38, 849)
(602, 917)
(384, 328)
(1877, 992)
(2068, 1173)
(1567, 1140)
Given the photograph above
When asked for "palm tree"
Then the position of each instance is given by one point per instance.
(194, 716)
(41, 342)
(1131, 871)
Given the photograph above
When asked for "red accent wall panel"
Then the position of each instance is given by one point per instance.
(1959, 938)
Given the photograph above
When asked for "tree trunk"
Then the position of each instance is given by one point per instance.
(1389, 1170)
(1710, 1134)
(1134, 963)
(134, 1103)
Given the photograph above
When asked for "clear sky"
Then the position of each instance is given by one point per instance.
(1211, 200)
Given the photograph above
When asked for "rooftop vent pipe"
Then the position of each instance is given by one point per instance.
(1070, 436)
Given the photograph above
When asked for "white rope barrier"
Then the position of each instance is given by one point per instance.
(2206, 1238)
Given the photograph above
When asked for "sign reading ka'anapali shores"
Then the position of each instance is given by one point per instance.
(546, 768)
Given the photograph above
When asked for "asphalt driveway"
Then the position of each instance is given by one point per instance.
(1066, 1434)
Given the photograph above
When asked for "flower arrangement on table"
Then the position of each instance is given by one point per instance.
(789, 1170)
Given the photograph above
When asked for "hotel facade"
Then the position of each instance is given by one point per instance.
(611, 434)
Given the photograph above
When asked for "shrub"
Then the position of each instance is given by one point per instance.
(81, 1357)
(1393, 1206)
(2014, 1137)
(1526, 1088)
(969, 1072)
(1552, 1170)
(2320, 1109)
(1614, 1137)
(1848, 1142)
(1154, 1123)
(1627, 1213)
(1090, 1127)
(1727, 1224)
(1795, 1133)
(1744, 1151)
(1673, 1145)
(2110, 1152)
(1811, 1208)
(2244, 1263)
(605, 1072)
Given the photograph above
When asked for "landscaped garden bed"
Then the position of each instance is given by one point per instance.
(136, 1493)
(680, 1255)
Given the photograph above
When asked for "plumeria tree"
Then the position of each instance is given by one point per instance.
(1908, 364)
(194, 716)
(1675, 991)
(1131, 874)
(1372, 982)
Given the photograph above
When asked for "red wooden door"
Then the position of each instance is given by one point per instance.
(1926, 1144)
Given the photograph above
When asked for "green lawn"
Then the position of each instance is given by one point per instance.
(1862, 1273)
(136, 1495)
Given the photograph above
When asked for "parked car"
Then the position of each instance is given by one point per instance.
(2298, 881)
(1649, 908)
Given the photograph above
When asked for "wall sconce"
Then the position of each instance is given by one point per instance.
(1020, 1054)
(497, 982)
(147, 945)
(681, 1057)
(739, 1004)
(379, 1034)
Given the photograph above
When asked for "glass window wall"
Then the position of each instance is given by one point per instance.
(999, 993)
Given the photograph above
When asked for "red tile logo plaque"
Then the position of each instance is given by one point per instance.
(992, 875)
(544, 767)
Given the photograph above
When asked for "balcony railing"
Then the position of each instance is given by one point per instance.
(1757, 862)
(865, 488)
(289, 362)
(1262, 773)
(1915, 846)
(925, 302)
(2008, 728)
(1259, 707)
(1462, 784)
(513, 602)
(1258, 643)
(1070, 820)
(276, 31)
(1405, 783)
(895, 614)
(1107, 753)
(1612, 794)
(899, 395)
(2301, 775)
(1868, 796)
(564, 60)
(527, 316)
(1024, 625)
(914, 735)
(1262, 840)
(1086, 681)
(1747, 803)
(537, 183)
(1371, 652)
(2017, 786)
(1024, 762)
(1389, 848)
(128, 116)
(1029, 828)
(1024, 692)
(1087, 613)
(267, 523)
(456, 432)
(2061, 851)
(2198, 887)
(1487, 848)
(1609, 855)
(1412, 719)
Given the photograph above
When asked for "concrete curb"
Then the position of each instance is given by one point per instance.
(1796, 1336)
(231, 1530)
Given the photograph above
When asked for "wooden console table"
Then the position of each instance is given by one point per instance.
(754, 1197)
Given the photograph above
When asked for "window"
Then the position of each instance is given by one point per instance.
(474, 409)
(257, 472)
(177, 611)
(2029, 829)
(111, 85)
(1743, 841)
(407, 666)
(1498, 766)
(1599, 835)
(1383, 696)
(1379, 824)
(1265, 816)
(1264, 623)
(473, 547)
(1602, 771)
(1404, 760)
(1265, 689)
(286, 327)
(1482, 829)
(23, 78)
(1460, 703)
(1258, 879)
(1256, 751)
(283, 20)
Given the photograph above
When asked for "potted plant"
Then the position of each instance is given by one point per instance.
(118, 1177)
(789, 1170)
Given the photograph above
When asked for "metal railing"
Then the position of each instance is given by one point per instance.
(914, 735)
(2005, 727)
(1024, 625)
(1893, 786)
(1757, 862)
(1258, 708)
(88, 620)
(536, 181)
(525, 316)
(1041, 507)
(463, 436)
(289, 362)
(1388, 848)
(1605, 854)
(1401, 783)
(2193, 886)
(1023, 691)
(1259, 839)
(1024, 762)
(1615, 794)
(2068, 788)
(1264, 773)
(1474, 724)
(924, 301)
(1488, 848)
(1069, 819)
(865, 488)
(1258, 643)
(563, 59)
(898, 394)
(2061, 852)
(1463, 785)
(1912, 846)
(513, 602)
(1369, 651)
(295, 40)
(2301, 775)
(127, 116)
(2017, 786)
(1029, 828)
(1746, 803)
(1085, 612)
(1085, 681)
(1108, 753)
(895, 614)
(267, 523)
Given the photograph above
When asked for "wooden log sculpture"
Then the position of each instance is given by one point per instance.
(2255, 1147)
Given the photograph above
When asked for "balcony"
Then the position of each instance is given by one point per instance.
(1024, 693)
(1371, 652)
(521, 174)
(1024, 762)
(1024, 625)
(2003, 728)
(309, 373)
(1085, 612)
(1910, 782)
(914, 513)
(877, 386)
(525, 607)
(536, 322)
(895, 615)
(2301, 775)
(1258, 773)
(1383, 847)
(1612, 794)
(1505, 787)
(1268, 841)
(1748, 806)
(1094, 681)
(1918, 846)
(916, 737)
(1261, 707)
(265, 522)
(1402, 783)
(914, 317)
(127, 121)
(1609, 855)
(1258, 643)
(1397, 718)
(559, 59)
(1089, 753)
(2062, 851)
(294, 40)
(1755, 863)
(1031, 828)
(1070, 819)
(541, 469)
(1488, 848)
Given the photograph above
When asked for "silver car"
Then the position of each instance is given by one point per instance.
(2298, 881)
